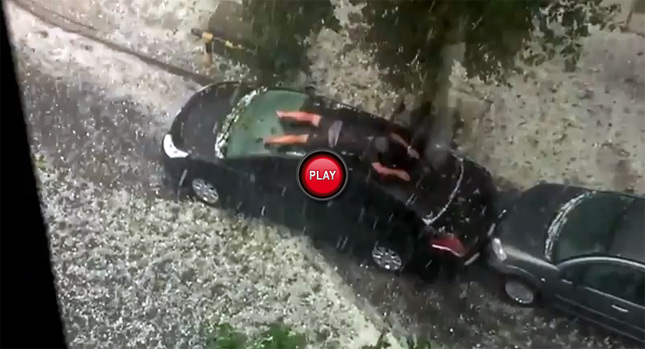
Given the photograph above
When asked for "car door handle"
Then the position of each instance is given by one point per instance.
(620, 309)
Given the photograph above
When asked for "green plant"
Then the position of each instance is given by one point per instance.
(280, 336)
(224, 336)
(408, 36)
(277, 336)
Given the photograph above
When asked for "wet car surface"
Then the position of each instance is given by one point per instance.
(581, 253)
(215, 152)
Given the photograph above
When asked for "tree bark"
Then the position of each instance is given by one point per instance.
(437, 128)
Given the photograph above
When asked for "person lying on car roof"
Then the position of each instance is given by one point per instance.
(377, 148)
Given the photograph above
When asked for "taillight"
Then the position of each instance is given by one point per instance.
(449, 243)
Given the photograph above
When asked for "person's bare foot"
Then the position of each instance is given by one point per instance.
(281, 114)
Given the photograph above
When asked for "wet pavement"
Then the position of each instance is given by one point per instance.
(470, 312)
(109, 140)
(111, 149)
(135, 268)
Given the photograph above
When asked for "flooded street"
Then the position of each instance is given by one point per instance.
(135, 268)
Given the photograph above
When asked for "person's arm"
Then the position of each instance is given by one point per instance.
(373, 159)
(411, 151)
(386, 171)
(399, 139)
(378, 167)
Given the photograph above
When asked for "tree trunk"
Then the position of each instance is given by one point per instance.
(438, 127)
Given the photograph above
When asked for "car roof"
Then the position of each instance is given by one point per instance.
(349, 114)
(422, 199)
(629, 235)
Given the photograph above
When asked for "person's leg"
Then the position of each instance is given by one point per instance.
(287, 139)
(300, 116)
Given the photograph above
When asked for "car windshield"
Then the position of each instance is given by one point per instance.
(589, 227)
(258, 120)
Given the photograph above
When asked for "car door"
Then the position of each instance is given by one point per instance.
(390, 204)
(348, 221)
(278, 197)
(224, 175)
(563, 290)
(258, 186)
(384, 218)
(613, 292)
(279, 184)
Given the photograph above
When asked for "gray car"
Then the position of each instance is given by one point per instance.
(578, 250)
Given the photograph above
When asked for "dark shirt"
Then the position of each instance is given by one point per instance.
(362, 142)
(352, 143)
(394, 154)
(354, 140)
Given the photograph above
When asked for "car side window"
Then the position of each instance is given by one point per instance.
(573, 273)
(618, 281)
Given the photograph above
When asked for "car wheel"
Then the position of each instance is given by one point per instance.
(389, 257)
(520, 291)
(205, 191)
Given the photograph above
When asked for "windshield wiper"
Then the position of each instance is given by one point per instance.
(222, 137)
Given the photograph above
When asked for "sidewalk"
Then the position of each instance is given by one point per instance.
(583, 128)
(632, 15)
(159, 30)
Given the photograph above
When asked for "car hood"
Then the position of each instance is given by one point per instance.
(204, 115)
(524, 225)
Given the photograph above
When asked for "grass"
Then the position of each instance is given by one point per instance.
(280, 336)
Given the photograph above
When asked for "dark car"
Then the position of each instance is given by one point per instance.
(579, 250)
(214, 151)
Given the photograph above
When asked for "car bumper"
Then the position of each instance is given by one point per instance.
(480, 248)
(495, 263)
(472, 259)
(174, 163)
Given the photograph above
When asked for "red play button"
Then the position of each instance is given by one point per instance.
(322, 175)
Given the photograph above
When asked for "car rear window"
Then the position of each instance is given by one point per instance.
(629, 236)
(259, 120)
(590, 227)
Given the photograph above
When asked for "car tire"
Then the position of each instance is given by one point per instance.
(391, 256)
(205, 191)
(520, 291)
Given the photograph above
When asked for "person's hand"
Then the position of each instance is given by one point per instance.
(404, 176)
(413, 153)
